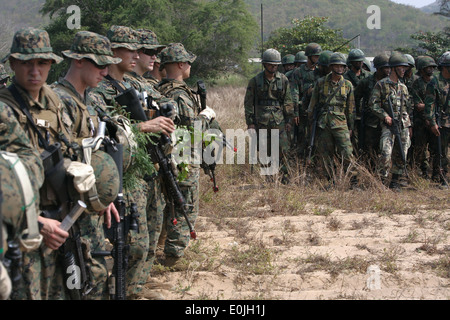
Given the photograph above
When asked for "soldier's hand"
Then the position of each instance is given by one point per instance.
(159, 125)
(435, 130)
(54, 236)
(108, 213)
(251, 126)
(297, 120)
(288, 127)
(388, 121)
(420, 106)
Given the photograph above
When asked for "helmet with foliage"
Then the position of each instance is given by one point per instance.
(288, 59)
(356, 55)
(271, 56)
(300, 57)
(324, 58)
(424, 62)
(337, 58)
(381, 61)
(398, 59)
(313, 49)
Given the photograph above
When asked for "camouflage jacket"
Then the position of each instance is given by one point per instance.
(302, 81)
(339, 111)
(107, 92)
(152, 80)
(437, 96)
(270, 100)
(351, 76)
(13, 139)
(362, 95)
(81, 117)
(386, 90)
(417, 93)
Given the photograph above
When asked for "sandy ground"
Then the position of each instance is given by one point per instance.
(340, 255)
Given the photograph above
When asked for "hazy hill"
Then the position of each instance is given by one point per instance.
(431, 8)
(398, 21)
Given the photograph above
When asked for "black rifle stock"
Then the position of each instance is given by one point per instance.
(439, 139)
(165, 168)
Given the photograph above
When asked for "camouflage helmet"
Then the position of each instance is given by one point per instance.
(324, 58)
(148, 40)
(106, 183)
(381, 61)
(92, 46)
(313, 49)
(356, 55)
(32, 43)
(271, 56)
(288, 59)
(444, 60)
(3, 74)
(175, 52)
(398, 59)
(411, 61)
(424, 62)
(337, 58)
(300, 57)
(123, 37)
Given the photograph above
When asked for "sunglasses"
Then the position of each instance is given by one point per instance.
(150, 52)
(101, 67)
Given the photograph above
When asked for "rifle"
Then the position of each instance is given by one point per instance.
(335, 50)
(158, 156)
(395, 129)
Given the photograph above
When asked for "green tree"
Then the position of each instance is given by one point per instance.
(305, 31)
(219, 32)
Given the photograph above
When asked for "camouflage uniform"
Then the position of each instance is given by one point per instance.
(4, 76)
(15, 215)
(104, 97)
(30, 43)
(82, 120)
(422, 136)
(334, 120)
(437, 98)
(178, 237)
(384, 90)
(268, 105)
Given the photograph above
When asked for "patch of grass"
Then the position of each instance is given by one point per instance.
(256, 259)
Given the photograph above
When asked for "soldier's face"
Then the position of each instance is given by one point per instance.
(357, 64)
(338, 69)
(385, 71)
(91, 73)
(428, 71)
(129, 58)
(31, 74)
(271, 68)
(400, 71)
(146, 59)
(186, 70)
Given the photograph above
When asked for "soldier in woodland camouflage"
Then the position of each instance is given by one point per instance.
(437, 104)
(370, 130)
(392, 92)
(4, 76)
(19, 201)
(422, 137)
(333, 102)
(268, 105)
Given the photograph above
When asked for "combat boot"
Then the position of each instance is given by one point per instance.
(395, 185)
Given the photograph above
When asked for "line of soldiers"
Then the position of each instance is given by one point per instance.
(331, 109)
(73, 147)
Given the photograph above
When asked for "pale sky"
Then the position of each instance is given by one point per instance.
(415, 3)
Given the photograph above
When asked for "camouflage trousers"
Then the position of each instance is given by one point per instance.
(421, 140)
(138, 240)
(333, 143)
(434, 150)
(390, 156)
(300, 145)
(283, 143)
(178, 236)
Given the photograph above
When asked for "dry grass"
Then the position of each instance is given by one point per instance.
(303, 214)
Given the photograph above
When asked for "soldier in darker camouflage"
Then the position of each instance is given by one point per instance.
(268, 105)
(4, 76)
(422, 137)
(437, 104)
(370, 130)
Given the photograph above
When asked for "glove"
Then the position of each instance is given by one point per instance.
(208, 114)
(83, 176)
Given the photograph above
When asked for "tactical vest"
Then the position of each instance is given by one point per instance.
(262, 93)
